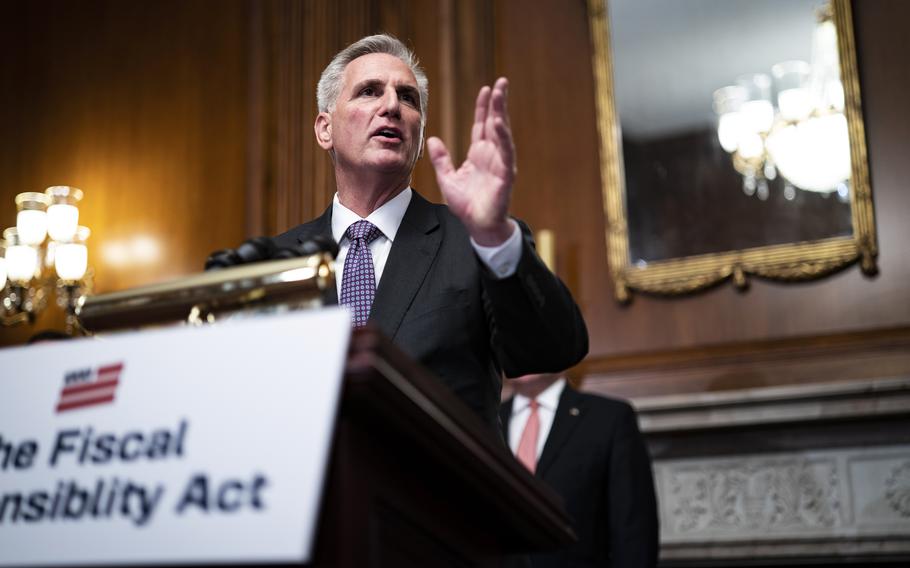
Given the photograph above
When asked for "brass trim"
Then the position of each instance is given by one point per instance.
(788, 262)
(861, 205)
(279, 283)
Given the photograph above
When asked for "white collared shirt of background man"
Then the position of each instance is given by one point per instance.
(502, 260)
(521, 410)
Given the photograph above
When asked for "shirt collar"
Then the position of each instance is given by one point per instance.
(387, 218)
(548, 399)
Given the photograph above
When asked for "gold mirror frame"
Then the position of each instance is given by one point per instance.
(787, 262)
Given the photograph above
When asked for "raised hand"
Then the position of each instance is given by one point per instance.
(480, 190)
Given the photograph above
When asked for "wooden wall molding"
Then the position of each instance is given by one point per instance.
(874, 354)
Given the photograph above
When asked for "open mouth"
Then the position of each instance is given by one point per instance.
(388, 133)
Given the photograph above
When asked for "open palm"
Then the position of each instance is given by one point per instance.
(479, 191)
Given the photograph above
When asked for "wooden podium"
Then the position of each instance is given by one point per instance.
(415, 478)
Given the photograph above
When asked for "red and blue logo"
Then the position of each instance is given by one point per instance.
(88, 387)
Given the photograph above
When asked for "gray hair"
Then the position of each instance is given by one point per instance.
(329, 86)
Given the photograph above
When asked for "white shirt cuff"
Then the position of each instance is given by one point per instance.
(502, 260)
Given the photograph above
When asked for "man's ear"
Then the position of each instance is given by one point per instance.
(323, 129)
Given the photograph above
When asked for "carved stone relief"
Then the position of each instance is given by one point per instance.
(898, 490)
(883, 489)
(848, 492)
(753, 495)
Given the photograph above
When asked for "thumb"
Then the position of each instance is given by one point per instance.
(439, 155)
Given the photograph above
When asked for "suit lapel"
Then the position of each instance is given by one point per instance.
(321, 225)
(505, 416)
(410, 258)
(569, 413)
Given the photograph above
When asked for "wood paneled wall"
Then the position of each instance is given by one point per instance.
(190, 123)
(143, 105)
(843, 327)
(291, 176)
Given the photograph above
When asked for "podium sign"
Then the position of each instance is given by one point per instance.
(204, 444)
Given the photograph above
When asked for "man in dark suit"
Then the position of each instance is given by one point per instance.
(458, 287)
(589, 450)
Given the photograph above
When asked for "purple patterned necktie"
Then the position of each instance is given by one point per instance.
(358, 282)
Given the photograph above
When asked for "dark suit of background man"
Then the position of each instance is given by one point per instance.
(460, 288)
(589, 449)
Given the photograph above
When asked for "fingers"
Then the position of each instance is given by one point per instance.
(481, 111)
(500, 127)
(439, 155)
(498, 108)
(490, 103)
(505, 144)
(499, 99)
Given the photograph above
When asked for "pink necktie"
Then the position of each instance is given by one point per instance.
(527, 445)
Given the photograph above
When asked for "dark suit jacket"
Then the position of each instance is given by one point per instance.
(596, 460)
(438, 302)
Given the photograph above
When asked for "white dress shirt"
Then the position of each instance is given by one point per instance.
(501, 260)
(521, 410)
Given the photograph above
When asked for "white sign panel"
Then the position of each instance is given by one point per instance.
(181, 445)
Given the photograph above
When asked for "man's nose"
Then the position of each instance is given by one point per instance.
(390, 103)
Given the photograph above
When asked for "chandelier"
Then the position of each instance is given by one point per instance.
(44, 252)
(804, 137)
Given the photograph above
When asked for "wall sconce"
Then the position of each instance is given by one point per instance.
(28, 256)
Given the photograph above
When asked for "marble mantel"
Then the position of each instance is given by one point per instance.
(783, 475)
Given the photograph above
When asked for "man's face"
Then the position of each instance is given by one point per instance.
(376, 121)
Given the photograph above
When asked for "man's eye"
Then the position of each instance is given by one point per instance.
(368, 91)
(409, 98)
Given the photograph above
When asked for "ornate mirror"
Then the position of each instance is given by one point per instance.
(732, 142)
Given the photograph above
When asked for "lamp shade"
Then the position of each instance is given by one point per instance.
(62, 221)
(22, 263)
(21, 259)
(62, 212)
(814, 154)
(757, 110)
(794, 99)
(727, 104)
(31, 220)
(71, 258)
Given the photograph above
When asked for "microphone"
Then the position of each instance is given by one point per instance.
(259, 249)
(316, 245)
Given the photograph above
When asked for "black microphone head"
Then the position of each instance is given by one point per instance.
(251, 250)
(264, 248)
(223, 258)
(256, 249)
(317, 244)
(284, 253)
